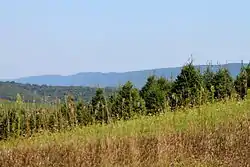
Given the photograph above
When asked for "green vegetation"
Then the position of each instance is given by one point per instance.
(190, 89)
(196, 120)
(248, 75)
(212, 135)
(155, 94)
(241, 83)
(46, 94)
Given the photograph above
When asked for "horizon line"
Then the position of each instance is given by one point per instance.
(130, 71)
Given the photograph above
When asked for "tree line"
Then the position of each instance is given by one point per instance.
(46, 94)
(191, 88)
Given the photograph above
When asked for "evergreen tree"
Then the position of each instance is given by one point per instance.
(241, 84)
(187, 88)
(248, 75)
(223, 84)
(139, 107)
(208, 78)
(150, 82)
(155, 94)
(164, 84)
(83, 114)
(127, 103)
(99, 107)
(156, 101)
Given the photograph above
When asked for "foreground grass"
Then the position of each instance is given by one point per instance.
(212, 135)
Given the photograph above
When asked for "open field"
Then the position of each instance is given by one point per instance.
(196, 120)
(212, 135)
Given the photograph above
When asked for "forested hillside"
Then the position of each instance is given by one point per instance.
(44, 93)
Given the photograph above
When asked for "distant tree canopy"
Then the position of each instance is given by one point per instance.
(47, 94)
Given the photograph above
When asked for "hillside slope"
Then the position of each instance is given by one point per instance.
(217, 136)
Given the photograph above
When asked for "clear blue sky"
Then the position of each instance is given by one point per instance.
(70, 36)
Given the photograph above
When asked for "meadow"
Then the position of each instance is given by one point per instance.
(211, 135)
(195, 120)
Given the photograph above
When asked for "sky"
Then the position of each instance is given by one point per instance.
(71, 36)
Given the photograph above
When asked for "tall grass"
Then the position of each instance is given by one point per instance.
(25, 119)
(211, 135)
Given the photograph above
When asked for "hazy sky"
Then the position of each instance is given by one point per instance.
(70, 36)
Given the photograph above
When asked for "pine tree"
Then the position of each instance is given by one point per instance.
(208, 78)
(155, 93)
(223, 84)
(127, 103)
(164, 84)
(138, 105)
(99, 104)
(186, 89)
(241, 84)
(83, 114)
(150, 82)
(248, 75)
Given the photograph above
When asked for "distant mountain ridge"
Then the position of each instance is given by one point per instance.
(113, 79)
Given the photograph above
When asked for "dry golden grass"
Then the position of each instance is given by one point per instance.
(212, 135)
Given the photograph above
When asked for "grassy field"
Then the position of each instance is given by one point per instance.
(212, 135)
